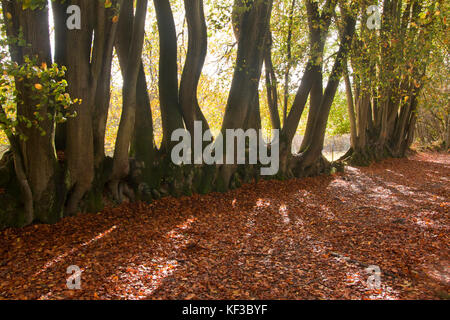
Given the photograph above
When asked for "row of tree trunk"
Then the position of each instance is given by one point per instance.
(388, 75)
(78, 181)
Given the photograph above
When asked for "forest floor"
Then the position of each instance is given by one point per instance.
(302, 239)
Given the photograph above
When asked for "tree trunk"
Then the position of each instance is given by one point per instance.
(314, 150)
(103, 91)
(253, 30)
(85, 63)
(168, 74)
(59, 20)
(126, 128)
(319, 24)
(195, 59)
(271, 85)
(351, 109)
(143, 145)
(289, 62)
(34, 158)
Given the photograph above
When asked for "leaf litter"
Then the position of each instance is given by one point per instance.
(308, 238)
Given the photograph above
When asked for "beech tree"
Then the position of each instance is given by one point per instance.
(31, 133)
(310, 160)
(389, 67)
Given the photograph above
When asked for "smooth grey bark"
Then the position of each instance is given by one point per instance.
(79, 140)
(143, 144)
(271, 85)
(252, 35)
(318, 24)
(59, 20)
(195, 59)
(289, 61)
(85, 63)
(253, 26)
(171, 114)
(121, 166)
(103, 92)
(351, 109)
(314, 150)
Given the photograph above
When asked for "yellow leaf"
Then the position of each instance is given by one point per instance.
(38, 86)
(115, 19)
(25, 4)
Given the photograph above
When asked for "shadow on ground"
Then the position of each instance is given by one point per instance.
(302, 239)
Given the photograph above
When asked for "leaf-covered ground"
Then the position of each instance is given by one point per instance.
(302, 239)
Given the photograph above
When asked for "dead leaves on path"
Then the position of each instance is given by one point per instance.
(302, 239)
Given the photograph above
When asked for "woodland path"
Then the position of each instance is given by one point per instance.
(302, 239)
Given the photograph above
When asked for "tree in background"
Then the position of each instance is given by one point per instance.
(388, 73)
(433, 116)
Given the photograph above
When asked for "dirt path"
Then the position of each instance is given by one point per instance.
(303, 239)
